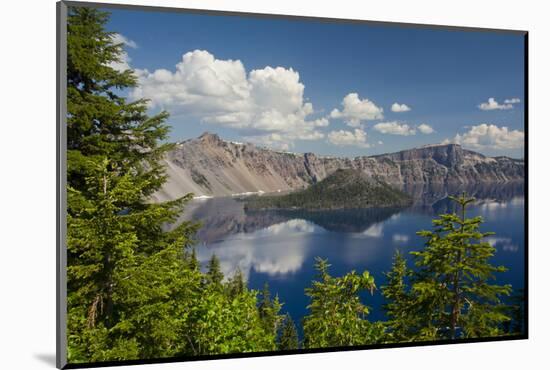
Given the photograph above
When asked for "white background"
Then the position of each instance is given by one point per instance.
(27, 182)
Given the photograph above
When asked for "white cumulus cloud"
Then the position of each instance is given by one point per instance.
(425, 129)
(488, 136)
(354, 110)
(124, 60)
(492, 104)
(394, 128)
(267, 104)
(121, 39)
(396, 107)
(357, 137)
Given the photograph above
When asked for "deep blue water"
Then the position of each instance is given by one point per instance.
(279, 247)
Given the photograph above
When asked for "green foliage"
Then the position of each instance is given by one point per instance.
(337, 317)
(398, 306)
(214, 275)
(135, 290)
(516, 311)
(124, 272)
(342, 189)
(193, 263)
(269, 312)
(236, 285)
(222, 323)
(450, 293)
(288, 338)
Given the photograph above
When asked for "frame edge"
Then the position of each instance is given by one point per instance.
(61, 196)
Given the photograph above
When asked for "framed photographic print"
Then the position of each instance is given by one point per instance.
(234, 184)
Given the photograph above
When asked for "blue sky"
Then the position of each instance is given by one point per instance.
(226, 86)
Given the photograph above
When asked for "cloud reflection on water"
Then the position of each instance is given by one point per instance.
(400, 238)
(275, 250)
(375, 231)
(278, 243)
(502, 243)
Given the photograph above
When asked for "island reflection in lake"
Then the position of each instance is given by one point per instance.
(279, 247)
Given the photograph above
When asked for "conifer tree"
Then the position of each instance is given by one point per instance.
(398, 301)
(516, 311)
(193, 261)
(288, 339)
(265, 302)
(451, 294)
(236, 285)
(269, 311)
(214, 275)
(337, 317)
(122, 283)
(134, 289)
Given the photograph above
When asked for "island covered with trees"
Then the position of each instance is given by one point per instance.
(137, 291)
(343, 189)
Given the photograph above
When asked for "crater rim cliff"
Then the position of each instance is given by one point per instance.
(210, 166)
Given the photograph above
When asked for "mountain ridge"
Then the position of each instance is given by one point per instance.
(210, 166)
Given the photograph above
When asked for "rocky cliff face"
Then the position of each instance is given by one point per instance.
(209, 165)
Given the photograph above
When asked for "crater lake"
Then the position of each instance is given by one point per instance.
(279, 247)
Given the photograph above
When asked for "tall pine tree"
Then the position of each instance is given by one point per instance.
(288, 339)
(451, 294)
(269, 312)
(123, 269)
(236, 285)
(214, 275)
(401, 322)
